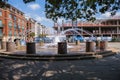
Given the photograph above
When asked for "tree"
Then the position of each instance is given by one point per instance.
(32, 34)
(42, 35)
(78, 9)
(27, 1)
(82, 9)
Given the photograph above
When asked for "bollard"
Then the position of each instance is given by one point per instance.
(41, 43)
(3, 45)
(77, 42)
(90, 46)
(62, 48)
(10, 46)
(30, 48)
(103, 45)
(97, 44)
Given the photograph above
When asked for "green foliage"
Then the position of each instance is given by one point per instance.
(3, 3)
(32, 34)
(81, 9)
(27, 1)
(42, 35)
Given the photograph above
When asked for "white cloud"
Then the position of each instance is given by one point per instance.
(117, 14)
(105, 15)
(108, 15)
(42, 19)
(34, 6)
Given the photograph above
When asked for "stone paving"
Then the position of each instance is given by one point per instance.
(107, 68)
(115, 46)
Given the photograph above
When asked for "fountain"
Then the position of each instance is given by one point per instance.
(61, 37)
(54, 41)
(50, 49)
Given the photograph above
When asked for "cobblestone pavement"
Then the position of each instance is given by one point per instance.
(107, 68)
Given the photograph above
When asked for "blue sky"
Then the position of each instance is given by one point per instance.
(34, 10)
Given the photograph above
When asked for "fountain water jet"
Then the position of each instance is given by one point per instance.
(62, 37)
(54, 41)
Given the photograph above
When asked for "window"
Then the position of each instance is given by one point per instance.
(15, 18)
(23, 28)
(10, 24)
(10, 33)
(15, 33)
(15, 25)
(10, 16)
(1, 32)
(0, 13)
(0, 23)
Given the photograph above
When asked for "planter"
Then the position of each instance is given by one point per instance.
(103, 45)
(90, 46)
(77, 42)
(62, 47)
(10, 46)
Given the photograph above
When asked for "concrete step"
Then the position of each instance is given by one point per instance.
(59, 56)
(103, 52)
(48, 58)
(109, 54)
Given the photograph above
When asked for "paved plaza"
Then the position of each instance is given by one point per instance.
(107, 68)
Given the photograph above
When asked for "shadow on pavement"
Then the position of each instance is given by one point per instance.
(58, 70)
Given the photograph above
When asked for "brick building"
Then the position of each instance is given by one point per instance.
(12, 23)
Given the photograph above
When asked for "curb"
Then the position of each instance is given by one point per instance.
(59, 57)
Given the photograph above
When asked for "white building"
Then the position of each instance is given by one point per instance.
(37, 29)
(49, 31)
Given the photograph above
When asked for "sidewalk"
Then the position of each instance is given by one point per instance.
(107, 68)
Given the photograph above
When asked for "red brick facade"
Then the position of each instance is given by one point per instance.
(13, 23)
